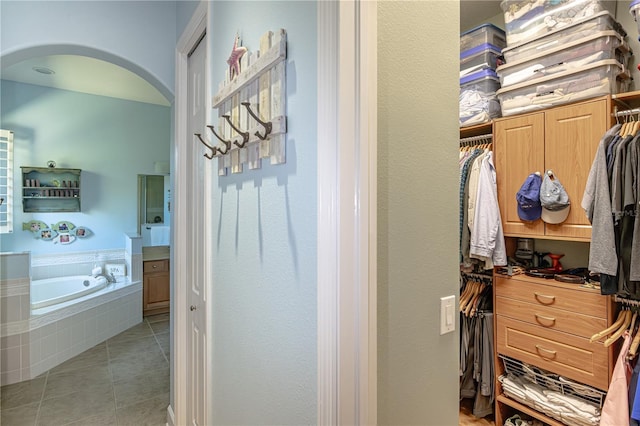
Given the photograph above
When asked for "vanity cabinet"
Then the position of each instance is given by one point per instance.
(46, 190)
(155, 287)
(563, 139)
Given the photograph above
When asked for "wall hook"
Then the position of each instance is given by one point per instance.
(245, 135)
(226, 143)
(267, 126)
(213, 149)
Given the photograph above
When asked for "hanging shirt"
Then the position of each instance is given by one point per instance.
(487, 238)
(615, 411)
(597, 204)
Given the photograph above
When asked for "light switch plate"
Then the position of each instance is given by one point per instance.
(117, 270)
(447, 314)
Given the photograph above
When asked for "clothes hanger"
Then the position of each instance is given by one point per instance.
(474, 299)
(616, 335)
(615, 326)
(464, 296)
(634, 346)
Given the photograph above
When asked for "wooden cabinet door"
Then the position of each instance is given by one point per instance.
(156, 294)
(519, 151)
(157, 290)
(572, 135)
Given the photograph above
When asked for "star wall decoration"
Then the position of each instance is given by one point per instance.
(234, 59)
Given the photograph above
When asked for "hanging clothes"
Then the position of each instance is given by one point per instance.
(476, 343)
(487, 238)
(610, 201)
(615, 411)
(482, 243)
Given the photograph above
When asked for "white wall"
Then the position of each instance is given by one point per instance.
(264, 243)
(418, 200)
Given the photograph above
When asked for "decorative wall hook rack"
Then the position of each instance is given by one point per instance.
(251, 106)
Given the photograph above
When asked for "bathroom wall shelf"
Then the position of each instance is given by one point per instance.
(46, 190)
(252, 122)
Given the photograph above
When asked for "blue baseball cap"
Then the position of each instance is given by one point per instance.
(528, 198)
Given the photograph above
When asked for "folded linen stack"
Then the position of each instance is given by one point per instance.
(565, 408)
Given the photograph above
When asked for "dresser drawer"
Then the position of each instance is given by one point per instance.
(561, 353)
(559, 297)
(550, 318)
(156, 266)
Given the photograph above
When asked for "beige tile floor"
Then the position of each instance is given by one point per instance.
(123, 381)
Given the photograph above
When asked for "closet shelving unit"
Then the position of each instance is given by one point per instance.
(511, 333)
(477, 130)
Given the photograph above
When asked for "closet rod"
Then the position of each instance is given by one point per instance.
(626, 112)
(467, 141)
(625, 301)
(476, 275)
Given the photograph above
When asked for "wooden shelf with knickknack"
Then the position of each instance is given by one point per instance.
(49, 189)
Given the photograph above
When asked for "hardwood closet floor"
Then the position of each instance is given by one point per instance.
(467, 418)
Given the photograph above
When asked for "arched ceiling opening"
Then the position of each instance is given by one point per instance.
(84, 70)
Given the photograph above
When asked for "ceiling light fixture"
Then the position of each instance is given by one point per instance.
(44, 70)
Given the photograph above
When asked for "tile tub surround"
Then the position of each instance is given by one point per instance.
(31, 342)
(122, 381)
(79, 263)
(51, 338)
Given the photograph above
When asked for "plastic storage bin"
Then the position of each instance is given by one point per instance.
(566, 57)
(478, 102)
(597, 79)
(526, 20)
(484, 56)
(484, 34)
(634, 10)
(601, 21)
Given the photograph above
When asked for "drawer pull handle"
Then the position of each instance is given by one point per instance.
(540, 348)
(548, 319)
(544, 296)
(155, 266)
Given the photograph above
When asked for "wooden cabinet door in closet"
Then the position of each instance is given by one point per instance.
(572, 135)
(519, 151)
(563, 139)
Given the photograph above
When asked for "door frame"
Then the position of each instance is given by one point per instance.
(191, 36)
(347, 212)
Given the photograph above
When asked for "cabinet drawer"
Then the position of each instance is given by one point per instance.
(156, 266)
(550, 318)
(570, 356)
(570, 299)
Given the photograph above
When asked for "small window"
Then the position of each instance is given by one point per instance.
(6, 181)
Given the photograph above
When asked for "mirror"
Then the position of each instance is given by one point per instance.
(154, 203)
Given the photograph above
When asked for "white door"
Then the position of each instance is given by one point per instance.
(197, 273)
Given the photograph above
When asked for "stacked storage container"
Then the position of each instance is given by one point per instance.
(560, 52)
(634, 10)
(480, 53)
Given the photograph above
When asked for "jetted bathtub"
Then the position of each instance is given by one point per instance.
(50, 291)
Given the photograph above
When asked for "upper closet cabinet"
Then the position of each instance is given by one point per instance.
(50, 189)
(562, 139)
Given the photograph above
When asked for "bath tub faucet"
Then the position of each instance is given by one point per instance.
(110, 277)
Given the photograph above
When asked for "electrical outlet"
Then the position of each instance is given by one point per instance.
(115, 269)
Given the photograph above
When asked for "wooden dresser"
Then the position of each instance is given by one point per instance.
(548, 324)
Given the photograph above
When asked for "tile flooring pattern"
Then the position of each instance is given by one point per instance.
(123, 381)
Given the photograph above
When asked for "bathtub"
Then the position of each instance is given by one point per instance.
(51, 291)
